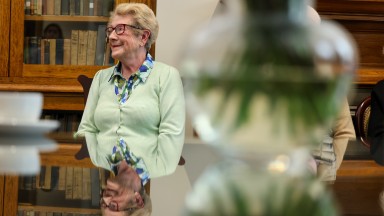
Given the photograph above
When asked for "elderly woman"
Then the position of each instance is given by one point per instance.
(136, 106)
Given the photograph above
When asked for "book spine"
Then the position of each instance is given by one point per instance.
(42, 177)
(33, 50)
(47, 178)
(67, 52)
(100, 4)
(55, 177)
(57, 7)
(107, 55)
(64, 7)
(44, 7)
(26, 50)
(21, 183)
(28, 181)
(46, 51)
(37, 181)
(74, 46)
(27, 7)
(81, 7)
(95, 7)
(77, 7)
(62, 176)
(91, 8)
(20, 212)
(77, 182)
(86, 7)
(91, 47)
(43, 213)
(107, 7)
(42, 48)
(82, 47)
(72, 7)
(38, 50)
(39, 7)
(33, 7)
(50, 7)
(52, 51)
(59, 51)
(69, 183)
(95, 187)
(100, 45)
(86, 184)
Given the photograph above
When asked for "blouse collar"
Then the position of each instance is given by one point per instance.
(142, 73)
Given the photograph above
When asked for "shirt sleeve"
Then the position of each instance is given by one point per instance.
(343, 132)
(87, 127)
(87, 123)
(171, 129)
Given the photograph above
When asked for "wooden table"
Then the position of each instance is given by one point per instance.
(359, 188)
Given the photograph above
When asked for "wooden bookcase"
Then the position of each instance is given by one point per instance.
(58, 83)
(364, 19)
(38, 199)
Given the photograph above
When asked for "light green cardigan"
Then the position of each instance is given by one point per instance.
(151, 122)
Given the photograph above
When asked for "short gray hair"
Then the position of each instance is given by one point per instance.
(143, 17)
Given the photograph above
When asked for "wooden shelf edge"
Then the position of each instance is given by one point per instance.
(58, 209)
(360, 168)
(369, 75)
(40, 88)
(352, 17)
(64, 18)
(65, 149)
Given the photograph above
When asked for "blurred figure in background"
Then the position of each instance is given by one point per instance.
(331, 152)
(53, 31)
(376, 123)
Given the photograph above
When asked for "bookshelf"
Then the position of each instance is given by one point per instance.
(364, 20)
(57, 82)
(60, 190)
(63, 95)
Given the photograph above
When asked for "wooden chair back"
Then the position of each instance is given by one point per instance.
(362, 116)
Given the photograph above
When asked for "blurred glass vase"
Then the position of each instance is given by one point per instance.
(260, 77)
(234, 188)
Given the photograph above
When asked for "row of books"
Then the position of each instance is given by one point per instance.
(85, 47)
(22, 212)
(69, 122)
(76, 183)
(69, 7)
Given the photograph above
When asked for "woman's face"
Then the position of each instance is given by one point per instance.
(126, 44)
(121, 192)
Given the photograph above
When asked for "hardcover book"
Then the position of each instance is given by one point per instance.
(74, 46)
(91, 47)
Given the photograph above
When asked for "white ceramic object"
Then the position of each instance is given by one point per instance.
(40, 142)
(19, 160)
(28, 127)
(20, 106)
